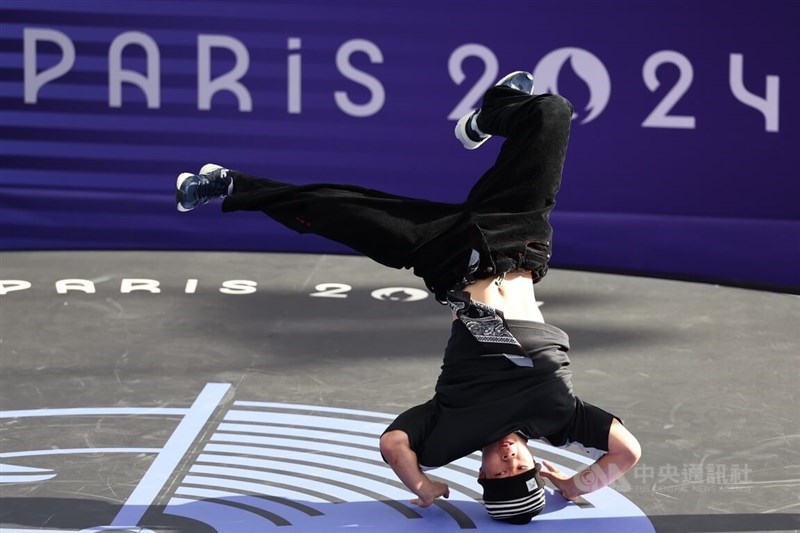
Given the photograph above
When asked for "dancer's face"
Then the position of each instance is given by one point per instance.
(506, 457)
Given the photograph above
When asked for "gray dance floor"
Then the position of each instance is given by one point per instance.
(235, 392)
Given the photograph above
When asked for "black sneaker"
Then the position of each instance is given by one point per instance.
(194, 190)
(519, 80)
(465, 130)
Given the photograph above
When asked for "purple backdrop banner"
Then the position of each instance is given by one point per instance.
(683, 158)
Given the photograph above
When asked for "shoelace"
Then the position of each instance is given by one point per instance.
(211, 187)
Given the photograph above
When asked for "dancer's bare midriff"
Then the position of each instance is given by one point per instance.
(512, 294)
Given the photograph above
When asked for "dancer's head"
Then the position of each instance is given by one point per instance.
(513, 491)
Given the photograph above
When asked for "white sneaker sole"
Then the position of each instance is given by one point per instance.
(461, 133)
(208, 168)
(183, 176)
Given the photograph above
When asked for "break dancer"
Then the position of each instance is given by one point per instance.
(505, 376)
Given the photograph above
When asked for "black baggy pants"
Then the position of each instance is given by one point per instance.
(505, 216)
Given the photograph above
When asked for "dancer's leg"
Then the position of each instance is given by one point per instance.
(506, 212)
(433, 238)
(513, 199)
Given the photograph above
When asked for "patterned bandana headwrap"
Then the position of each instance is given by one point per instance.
(488, 327)
(515, 499)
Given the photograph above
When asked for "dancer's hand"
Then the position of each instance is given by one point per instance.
(623, 452)
(429, 492)
(563, 482)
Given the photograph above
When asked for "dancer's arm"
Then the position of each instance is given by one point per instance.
(397, 451)
(623, 452)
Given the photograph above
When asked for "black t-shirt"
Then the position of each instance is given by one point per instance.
(482, 397)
